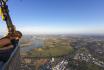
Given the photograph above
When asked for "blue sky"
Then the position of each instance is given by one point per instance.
(57, 16)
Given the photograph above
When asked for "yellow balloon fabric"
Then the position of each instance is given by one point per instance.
(1, 14)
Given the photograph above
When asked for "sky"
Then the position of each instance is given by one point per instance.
(56, 16)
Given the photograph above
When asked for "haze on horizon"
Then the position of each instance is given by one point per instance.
(57, 16)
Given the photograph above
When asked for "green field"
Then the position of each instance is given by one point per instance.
(50, 52)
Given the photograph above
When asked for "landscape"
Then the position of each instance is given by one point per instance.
(62, 52)
(52, 35)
